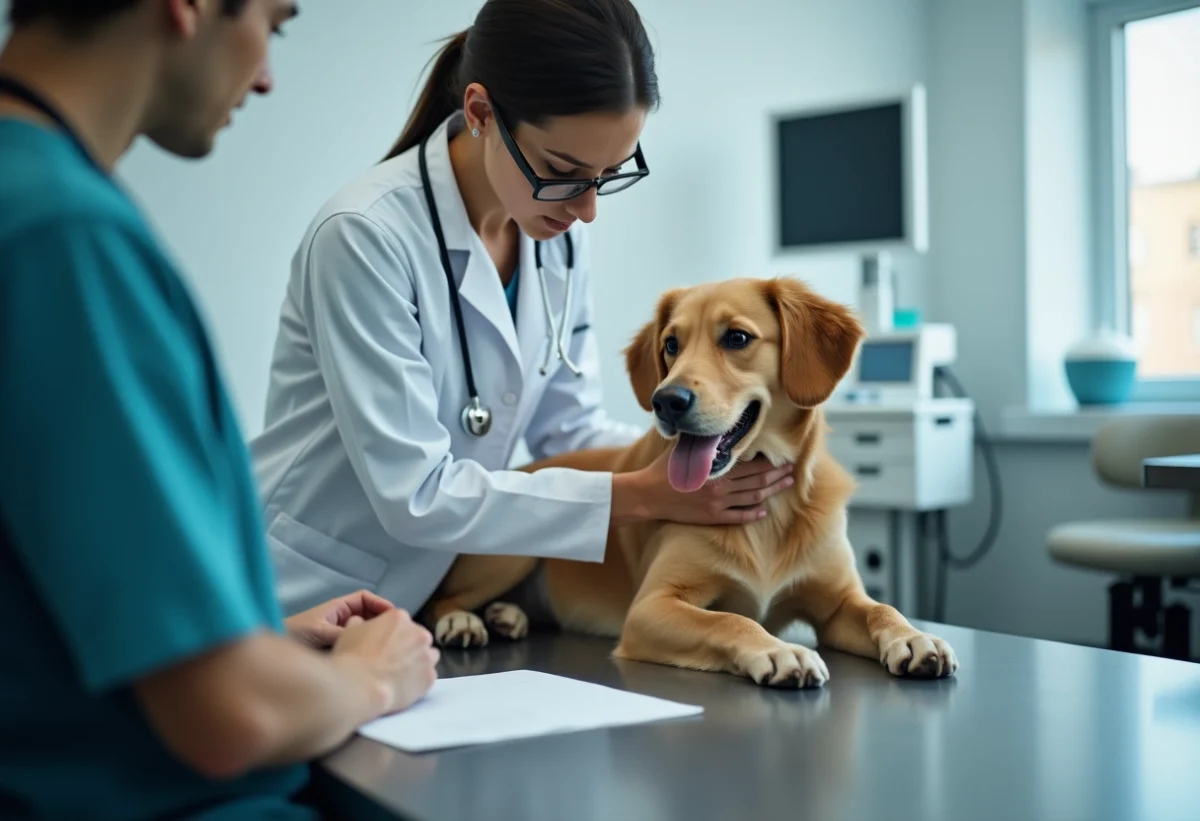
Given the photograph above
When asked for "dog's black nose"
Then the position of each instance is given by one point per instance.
(672, 403)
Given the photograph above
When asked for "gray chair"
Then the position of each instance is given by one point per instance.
(1144, 554)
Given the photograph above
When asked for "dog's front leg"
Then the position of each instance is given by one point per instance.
(668, 624)
(847, 619)
(866, 627)
(474, 581)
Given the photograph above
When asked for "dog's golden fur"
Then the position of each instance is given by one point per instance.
(715, 598)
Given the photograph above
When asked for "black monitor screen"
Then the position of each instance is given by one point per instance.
(841, 177)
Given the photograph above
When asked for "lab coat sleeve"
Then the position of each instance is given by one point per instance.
(571, 416)
(367, 340)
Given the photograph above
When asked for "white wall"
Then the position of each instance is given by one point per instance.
(1058, 194)
(1009, 192)
(976, 192)
(346, 77)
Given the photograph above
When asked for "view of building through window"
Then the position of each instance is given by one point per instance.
(1162, 111)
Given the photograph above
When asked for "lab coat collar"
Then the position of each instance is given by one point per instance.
(478, 281)
(532, 329)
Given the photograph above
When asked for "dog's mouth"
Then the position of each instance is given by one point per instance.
(697, 457)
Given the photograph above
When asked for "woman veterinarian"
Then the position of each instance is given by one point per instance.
(438, 313)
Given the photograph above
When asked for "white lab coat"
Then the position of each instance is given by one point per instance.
(367, 477)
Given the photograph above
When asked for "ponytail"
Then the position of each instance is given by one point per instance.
(439, 98)
(540, 59)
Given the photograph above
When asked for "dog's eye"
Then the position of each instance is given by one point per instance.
(736, 340)
(671, 346)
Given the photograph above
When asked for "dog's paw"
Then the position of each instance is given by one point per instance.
(786, 665)
(920, 655)
(461, 629)
(507, 620)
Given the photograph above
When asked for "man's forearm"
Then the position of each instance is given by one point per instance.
(264, 700)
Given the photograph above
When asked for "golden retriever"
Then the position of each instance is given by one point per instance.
(731, 369)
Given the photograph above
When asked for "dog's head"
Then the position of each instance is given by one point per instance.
(725, 366)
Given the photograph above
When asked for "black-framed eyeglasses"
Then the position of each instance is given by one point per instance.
(556, 190)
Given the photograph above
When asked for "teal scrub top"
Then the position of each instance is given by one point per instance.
(130, 537)
(510, 293)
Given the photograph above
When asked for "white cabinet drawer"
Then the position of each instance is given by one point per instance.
(871, 439)
(883, 482)
(918, 457)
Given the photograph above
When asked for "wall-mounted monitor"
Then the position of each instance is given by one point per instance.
(853, 177)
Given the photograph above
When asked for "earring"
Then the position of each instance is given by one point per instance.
(474, 132)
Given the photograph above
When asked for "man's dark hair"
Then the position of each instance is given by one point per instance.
(80, 16)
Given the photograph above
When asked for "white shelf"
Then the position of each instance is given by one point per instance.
(1079, 424)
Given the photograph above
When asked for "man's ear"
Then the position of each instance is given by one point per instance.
(185, 16)
(818, 339)
(643, 357)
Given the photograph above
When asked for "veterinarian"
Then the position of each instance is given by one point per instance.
(439, 313)
(144, 667)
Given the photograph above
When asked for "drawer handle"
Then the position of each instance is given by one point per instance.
(867, 438)
(944, 421)
(868, 470)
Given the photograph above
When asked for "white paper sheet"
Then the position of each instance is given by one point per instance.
(517, 704)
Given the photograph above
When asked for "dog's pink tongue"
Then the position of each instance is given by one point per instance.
(691, 461)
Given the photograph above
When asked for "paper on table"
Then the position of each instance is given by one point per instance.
(516, 704)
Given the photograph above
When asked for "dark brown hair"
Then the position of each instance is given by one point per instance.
(540, 59)
(81, 16)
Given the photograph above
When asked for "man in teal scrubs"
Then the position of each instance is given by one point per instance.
(145, 671)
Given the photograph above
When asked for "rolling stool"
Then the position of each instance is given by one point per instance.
(1145, 554)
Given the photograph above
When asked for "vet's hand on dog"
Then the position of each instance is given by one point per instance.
(737, 498)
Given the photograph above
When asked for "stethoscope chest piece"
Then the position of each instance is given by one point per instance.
(476, 419)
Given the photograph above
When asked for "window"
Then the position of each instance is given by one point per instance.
(1137, 247)
(1140, 325)
(1146, 69)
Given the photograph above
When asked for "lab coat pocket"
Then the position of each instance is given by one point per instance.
(309, 563)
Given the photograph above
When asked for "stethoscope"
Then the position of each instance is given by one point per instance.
(477, 417)
(22, 92)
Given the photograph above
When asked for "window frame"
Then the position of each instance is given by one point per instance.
(1111, 303)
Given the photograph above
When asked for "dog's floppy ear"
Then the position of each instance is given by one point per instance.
(818, 339)
(643, 357)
